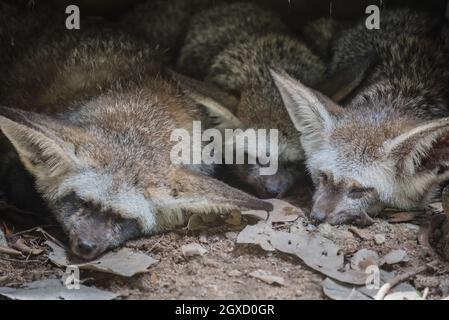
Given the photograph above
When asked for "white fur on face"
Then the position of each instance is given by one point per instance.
(123, 199)
(394, 189)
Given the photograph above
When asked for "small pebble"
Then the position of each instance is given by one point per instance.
(379, 238)
(234, 273)
(192, 249)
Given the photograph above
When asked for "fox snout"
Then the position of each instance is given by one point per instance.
(344, 203)
(265, 186)
(86, 249)
(275, 186)
(360, 218)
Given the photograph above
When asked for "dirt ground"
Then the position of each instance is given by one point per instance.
(224, 271)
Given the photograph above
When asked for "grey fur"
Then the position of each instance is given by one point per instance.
(320, 33)
(212, 31)
(358, 41)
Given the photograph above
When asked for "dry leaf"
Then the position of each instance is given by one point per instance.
(53, 289)
(258, 234)
(338, 291)
(24, 248)
(341, 291)
(284, 211)
(364, 258)
(395, 256)
(406, 295)
(123, 262)
(314, 250)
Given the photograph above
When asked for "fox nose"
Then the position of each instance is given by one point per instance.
(273, 191)
(318, 216)
(86, 247)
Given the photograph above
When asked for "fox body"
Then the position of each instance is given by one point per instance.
(92, 119)
(232, 47)
(388, 146)
(163, 24)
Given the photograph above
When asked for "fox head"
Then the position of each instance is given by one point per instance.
(367, 156)
(105, 171)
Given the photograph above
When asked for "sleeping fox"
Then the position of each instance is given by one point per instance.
(388, 147)
(90, 117)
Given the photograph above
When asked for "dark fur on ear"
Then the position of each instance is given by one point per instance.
(39, 148)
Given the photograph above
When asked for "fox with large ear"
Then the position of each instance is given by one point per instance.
(389, 145)
(100, 156)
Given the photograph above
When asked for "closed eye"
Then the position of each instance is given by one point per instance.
(359, 192)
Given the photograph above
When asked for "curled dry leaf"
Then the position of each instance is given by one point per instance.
(20, 245)
(284, 211)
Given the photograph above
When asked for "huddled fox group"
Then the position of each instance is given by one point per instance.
(86, 115)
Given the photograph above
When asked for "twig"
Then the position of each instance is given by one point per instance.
(383, 291)
(21, 261)
(10, 251)
(425, 293)
(156, 244)
(39, 229)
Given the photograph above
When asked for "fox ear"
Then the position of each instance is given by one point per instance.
(39, 149)
(219, 104)
(310, 111)
(425, 147)
(200, 193)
